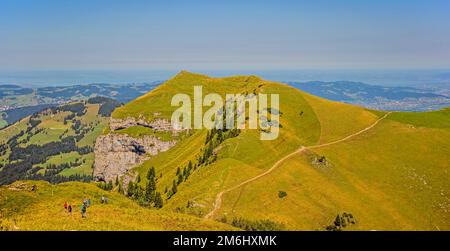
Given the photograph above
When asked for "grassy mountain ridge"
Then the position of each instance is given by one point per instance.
(389, 171)
(320, 183)
(317, 192)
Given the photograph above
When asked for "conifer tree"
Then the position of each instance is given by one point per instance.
(130, 190)
(158, 200)
(174, 188)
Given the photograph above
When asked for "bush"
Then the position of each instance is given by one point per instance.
(107, 105)
(258, 225)
(341, 221)
(282, 194)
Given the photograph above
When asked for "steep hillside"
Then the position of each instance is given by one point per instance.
(370, 164)
(42, 209)
(55, 144)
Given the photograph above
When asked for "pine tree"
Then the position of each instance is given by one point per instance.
(150, 190)
(138, 194)
(210, 149)
(158, 200)
(151, 173)
(174, 188)
(207, 137)
(130, 190)
(219, 136)
(338, 222)
(120, 188)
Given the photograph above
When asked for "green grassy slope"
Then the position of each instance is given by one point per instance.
(392, 176)
(371, 175)
(52, 128)
(245, 150)
(22, 209)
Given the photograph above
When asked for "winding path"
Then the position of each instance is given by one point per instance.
(218, 202)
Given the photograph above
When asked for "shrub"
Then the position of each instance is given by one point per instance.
(282, 194)
(341, 221)
(258, 225)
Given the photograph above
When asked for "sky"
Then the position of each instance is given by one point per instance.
(263, 35)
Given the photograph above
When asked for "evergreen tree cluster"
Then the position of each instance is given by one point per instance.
(214, 138)
(207, 156)
(78, 108)
(22, 159)
(107, 186)
(181, 176)
(56, 178)
(341, 222)
(148, 197)
(258, 225)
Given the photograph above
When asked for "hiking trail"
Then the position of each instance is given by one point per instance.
(218, 201)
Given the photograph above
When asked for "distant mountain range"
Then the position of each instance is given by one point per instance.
(17, 102)
(14, 96)
(378, 97)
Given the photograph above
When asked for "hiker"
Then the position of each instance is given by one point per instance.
(83, 211)
(102, 199)
(69, 209)
(84, 201)
(89, 202)
(65, 206)
(106, 200)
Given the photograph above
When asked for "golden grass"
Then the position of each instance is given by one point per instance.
(43, 210)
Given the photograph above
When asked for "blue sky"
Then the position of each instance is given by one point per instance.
(108, 34)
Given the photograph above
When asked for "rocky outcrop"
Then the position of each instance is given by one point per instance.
(116, 154)
(157, 124)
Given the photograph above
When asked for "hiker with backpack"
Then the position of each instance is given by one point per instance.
(83, 211)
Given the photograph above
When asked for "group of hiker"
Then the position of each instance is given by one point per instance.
(68, 207)
(86, 204)
(104, 199)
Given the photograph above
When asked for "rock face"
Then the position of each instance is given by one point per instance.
(115, 154)
(157, 124)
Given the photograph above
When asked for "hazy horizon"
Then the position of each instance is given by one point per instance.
(391, 43)
(424, 78)
(214, 35)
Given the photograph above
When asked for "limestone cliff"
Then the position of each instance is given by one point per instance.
(157, 124)
(116, 154)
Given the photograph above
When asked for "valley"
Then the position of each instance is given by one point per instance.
(17, 102)
(55, 144)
